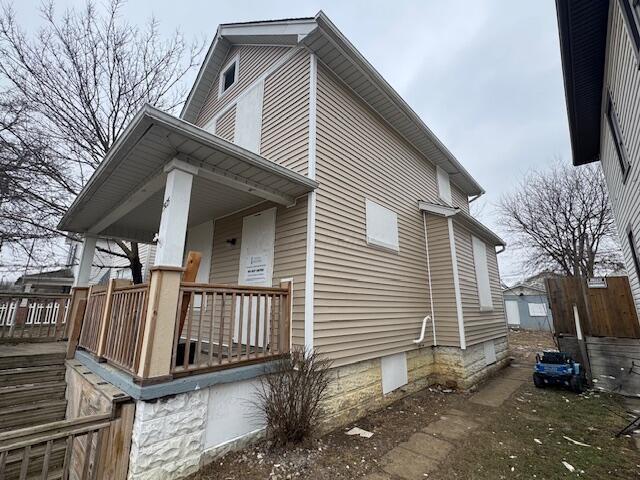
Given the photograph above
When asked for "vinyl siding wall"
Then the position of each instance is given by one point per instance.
(369, 302)
(289, 253)
(478, 326)
(622, 78)
(444, 300)
(253, 62)
(459, 199)
(226, 124)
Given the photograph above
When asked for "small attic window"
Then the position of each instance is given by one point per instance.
(229, 76)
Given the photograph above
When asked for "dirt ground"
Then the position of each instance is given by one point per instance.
(524, 438)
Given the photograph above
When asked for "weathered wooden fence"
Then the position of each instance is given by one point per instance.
(604, 312)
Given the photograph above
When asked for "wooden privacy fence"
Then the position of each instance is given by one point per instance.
(220, 326)
(33, 316)
(114, 322)
(603, 312)
(60, 450)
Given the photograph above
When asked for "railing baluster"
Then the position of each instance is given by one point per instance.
(187, 346)
(203, 302)
(265, 323)
(212, 328)
(87, 455)
(256, 339)
(3, 463)
(232, 332)
(24, 466)
(249, 323)
(232, 325)
(45, 461)
(66, 465)
(223, 300)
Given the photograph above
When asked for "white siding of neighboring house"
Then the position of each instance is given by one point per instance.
(622, 78)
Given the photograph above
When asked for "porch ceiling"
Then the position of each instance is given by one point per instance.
(124, 197)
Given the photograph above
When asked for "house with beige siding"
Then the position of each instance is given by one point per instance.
(325, 215)
(600, 46)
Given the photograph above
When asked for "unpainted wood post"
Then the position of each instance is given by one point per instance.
(162, 317)
(75, 317)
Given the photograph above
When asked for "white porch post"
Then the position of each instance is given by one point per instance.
(175, 210)
(86, 260)
(166, 275)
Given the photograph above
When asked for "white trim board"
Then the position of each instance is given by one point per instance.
(456, 284)
(309, 284)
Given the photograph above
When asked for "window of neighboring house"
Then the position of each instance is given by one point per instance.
(444, 185)
(229, 76)
(616, 132)
(634, 251)
(382, 226)
(537, 309)
(631, 12)
(482, 274)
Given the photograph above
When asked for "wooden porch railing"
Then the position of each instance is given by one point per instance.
(33, 316)
(60, 450)
(126, 325)
(221, 326)
(92, 322)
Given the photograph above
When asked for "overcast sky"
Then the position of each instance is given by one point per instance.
(484, 75)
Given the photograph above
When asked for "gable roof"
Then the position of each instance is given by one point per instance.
(334, 50)
(582, 25)
(524, 285)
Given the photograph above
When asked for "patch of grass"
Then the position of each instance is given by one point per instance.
(507, 447)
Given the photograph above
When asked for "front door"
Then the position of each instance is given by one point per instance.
(256, 269)
(513, 314)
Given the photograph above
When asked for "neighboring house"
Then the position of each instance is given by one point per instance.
(55, 281)
(600, 45)
(107, 265)
(527, 307)
(293, 160)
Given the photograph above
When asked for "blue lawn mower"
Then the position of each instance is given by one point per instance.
(558, 368)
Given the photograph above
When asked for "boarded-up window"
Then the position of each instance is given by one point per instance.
(482, 274)
(382, 226)
(444, 186)
(248, 127)
(537, 310)
(616, 132)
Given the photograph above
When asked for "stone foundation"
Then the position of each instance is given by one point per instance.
(356, 389)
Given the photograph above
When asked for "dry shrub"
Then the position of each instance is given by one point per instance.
(289, 399)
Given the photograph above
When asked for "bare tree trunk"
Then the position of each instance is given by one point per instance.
(136, 265)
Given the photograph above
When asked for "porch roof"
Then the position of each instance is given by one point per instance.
(124, 197)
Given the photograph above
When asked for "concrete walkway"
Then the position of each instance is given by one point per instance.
(423, 451)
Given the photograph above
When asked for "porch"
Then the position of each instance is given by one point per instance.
(163, 181)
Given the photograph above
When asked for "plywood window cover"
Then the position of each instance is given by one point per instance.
(381, 226)
(483, 282)
(233, 63)
(444, 185)
(537, 309)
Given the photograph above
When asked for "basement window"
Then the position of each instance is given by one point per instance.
(616, 132)
(229, 76)
(631, 13)
(634, 252)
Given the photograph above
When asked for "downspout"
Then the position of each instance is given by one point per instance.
(426, 243)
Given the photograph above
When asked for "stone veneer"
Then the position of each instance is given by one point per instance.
(168, 436)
